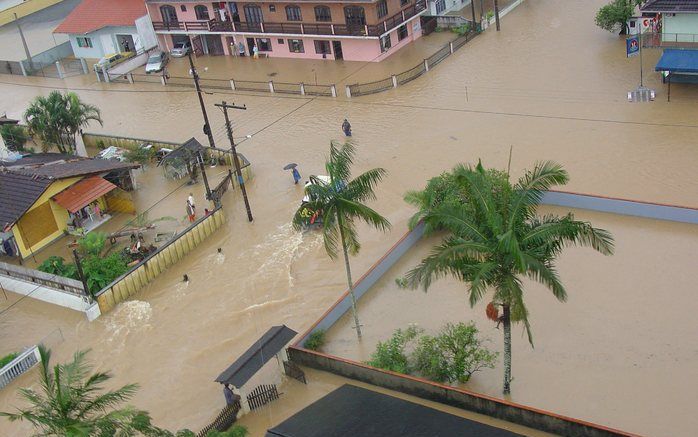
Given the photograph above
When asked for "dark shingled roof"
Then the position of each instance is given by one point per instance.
(257, 356)
(187, 151)
(80, 167)
(352, 411)
(18, 192)
(670, 6)
(38, 159)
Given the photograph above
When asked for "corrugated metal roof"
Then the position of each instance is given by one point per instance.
(254, 358)
(91, 15)
(76, 167)
(670, 6)
(18, 192)
(82, 193)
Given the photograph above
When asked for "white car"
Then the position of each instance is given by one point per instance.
(156, 62)
(180, 50)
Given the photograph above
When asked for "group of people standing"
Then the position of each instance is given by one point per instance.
(241, 50)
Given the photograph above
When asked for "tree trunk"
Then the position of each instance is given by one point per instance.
(349, 281)
(506, 320)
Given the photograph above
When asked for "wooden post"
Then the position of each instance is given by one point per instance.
(232, 84)
(392, 76)
(271, 87)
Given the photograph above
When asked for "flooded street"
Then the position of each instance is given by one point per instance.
(551, 85)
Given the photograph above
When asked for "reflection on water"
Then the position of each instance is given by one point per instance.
(550, 84)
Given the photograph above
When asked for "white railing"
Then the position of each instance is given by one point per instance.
(25, 361)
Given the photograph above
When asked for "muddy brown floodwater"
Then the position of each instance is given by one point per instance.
(551, 85)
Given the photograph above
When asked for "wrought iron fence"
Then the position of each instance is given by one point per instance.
(361, 89)
(287, 88)
(411, 74)
(319, 90)
(224, 420)
(251, 85)
(440, 55)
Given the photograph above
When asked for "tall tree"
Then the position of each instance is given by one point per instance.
(342, 204)
(614, 16)
(57, 118)
(496, 239)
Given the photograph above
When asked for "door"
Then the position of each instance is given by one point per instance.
(250, 44)
(126, 43)
(197, 46)
(214, 44)
(234, 12)
(337, 49)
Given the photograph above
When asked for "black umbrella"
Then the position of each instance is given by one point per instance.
(290, 166)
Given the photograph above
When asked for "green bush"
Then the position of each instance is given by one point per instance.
(461, 30)
(101, 271)
(7, 358)
(453, 355)
(56, 265)
(15, 137)
(100, 145)
(489, 15)
(315, 340)
(92, 243)
(140, 155)
(391, 355)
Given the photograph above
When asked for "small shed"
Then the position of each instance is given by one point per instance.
(271, 344)
(182, 160)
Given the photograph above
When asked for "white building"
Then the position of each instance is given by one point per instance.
(97, 28)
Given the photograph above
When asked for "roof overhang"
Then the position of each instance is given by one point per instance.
(678, 61)
(82, 193)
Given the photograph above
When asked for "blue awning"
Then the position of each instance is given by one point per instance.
(678, 61)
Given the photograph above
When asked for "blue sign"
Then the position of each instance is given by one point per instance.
(632, 46)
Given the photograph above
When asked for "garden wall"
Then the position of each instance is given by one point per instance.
(143, 273)
(524, 415)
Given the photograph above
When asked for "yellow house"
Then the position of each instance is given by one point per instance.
(45, 196)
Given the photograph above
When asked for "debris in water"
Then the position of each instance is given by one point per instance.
(186, 278)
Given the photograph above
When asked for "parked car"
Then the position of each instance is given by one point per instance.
(110, 60)
(180, 50)
(156, 62)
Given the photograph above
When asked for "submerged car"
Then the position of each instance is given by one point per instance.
(110, 60)
(156, 62)
(180, 49)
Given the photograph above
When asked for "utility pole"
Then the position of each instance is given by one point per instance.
(207, 126)
(229, 128)
(496, 13)
(24, 43)
(472, 8)
(81, 274)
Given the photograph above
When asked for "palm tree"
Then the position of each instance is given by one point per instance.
(57, 118)
(496, 239)
(69, 402)
(341, 202)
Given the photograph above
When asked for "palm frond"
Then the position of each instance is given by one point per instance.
(341, 158)
(529, 190)
(360, 189)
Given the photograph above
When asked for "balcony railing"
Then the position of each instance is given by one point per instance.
(667, 40)
(293, 28)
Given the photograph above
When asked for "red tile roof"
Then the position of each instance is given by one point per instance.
(91, 15)
(83, 193)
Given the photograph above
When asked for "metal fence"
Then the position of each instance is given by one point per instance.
(362, 89)
(320, 90)
(286, 88)
(223, 421)
(25, 361)
(249, 85)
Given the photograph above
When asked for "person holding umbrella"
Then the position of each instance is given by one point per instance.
(294, 172)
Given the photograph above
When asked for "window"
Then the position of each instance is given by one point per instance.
(84, 42)
(382, 8)
(404, 2)
(253, 14)
(322, 47)
(169, 14)
(264, 44)
(280, 40)
(354, 16)
(322, 13)
(201, 12)
(440, 6)
(295, 46)
(385, 43)
(293, 13)
(402, 32)
(272, 8)
(183, 8)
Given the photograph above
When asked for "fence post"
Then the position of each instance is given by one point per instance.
(83, 62)
(426, 65)
(392, 76)
(333, 90)
(130, 78)
(232, 84)
(271, 86)
(348, 91)
(99, 78)
(450, 47)
(302, 89)
(105, 74)
(163, 79)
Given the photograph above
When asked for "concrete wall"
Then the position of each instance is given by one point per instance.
(105, 42)
(51, 55)
(45, 294)
(498, 408)
(26, 8)
(686, 24)
(142, 274)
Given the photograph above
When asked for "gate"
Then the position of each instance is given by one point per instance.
(262, 395)
(72, 67)
(428, 24)
(294, 371)
(221, 188)
(197, 46)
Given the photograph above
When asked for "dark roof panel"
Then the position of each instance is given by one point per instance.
(69, 166)
(670, 6)
(254, 358)
(352, 411)
(18, 192)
